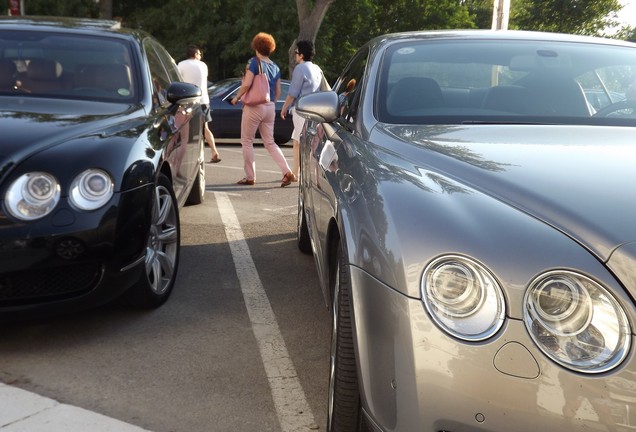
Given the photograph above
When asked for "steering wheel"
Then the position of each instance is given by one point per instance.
(617, 106)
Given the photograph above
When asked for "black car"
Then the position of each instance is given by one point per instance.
(101, 146)
(226, 118)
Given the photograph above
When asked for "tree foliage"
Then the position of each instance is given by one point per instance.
(71, 8)
(224, 28)
(586, 17)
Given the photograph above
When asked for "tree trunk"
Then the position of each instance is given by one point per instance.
(309, 21)
(106, 9)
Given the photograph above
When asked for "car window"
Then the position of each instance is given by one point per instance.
(607, 85)
(168, 62)
(450, 82)
(284, 88)
(67, 66)
(160, 78)
(220, 88)
(348, 86)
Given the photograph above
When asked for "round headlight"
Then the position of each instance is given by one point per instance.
(91, 189)
(463, 298)
(576, 322)
(32, 196)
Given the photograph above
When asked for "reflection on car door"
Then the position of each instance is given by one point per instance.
(180, 128)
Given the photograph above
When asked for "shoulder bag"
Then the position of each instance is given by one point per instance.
(259, 91)
(324, 85)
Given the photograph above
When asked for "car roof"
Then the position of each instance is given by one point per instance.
(69, 25)
(493, 35)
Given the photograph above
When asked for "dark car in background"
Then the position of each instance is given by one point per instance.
(226, 118)
(101, 146)
(469, 200)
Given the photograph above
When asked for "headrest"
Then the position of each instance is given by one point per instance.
(40, 69)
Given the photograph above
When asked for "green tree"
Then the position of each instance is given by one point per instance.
(70, 8)
(480, 12)
(350, 24)
(586, 17)
(408, 15)
(626, 33)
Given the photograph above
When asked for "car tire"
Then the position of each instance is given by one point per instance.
(197, 193)
(162, 251)
(302, 231)
(344, 405)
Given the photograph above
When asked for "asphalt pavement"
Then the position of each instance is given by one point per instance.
(25, 411)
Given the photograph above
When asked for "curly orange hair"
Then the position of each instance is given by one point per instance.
(264, 43)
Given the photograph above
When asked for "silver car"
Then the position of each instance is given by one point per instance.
(470, 201)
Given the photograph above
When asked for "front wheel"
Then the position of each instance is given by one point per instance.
(162, 251)
(345, 409)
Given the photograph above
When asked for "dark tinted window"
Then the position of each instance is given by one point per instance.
(68, 66)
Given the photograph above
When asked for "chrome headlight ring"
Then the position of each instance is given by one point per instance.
(576, 322)
(32, 196)
(91, 189)
(463, 298)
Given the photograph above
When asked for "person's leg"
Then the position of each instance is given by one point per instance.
(207, 134)
(250, 120)
(299, 122)
(266, 128)
(209, 138)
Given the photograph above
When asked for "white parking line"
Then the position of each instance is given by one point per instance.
(292, 409)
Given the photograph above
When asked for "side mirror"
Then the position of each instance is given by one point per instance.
(320, 107)
(183, 93)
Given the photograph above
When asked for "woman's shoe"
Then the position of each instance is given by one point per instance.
(215, 159)
(288, 179)
(245, 182)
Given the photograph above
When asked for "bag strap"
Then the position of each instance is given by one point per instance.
(260, 69)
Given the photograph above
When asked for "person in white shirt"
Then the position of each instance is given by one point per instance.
(306, 78)
(194, 71)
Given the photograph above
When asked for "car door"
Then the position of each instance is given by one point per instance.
(329, 147)
(179, 128)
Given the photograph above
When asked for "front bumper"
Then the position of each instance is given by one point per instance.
(413, 376)
(71, 260)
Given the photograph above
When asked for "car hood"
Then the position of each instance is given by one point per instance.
(30, 125)
(577, 179)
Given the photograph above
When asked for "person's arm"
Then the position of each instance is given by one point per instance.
(288, 101)
(245, 86)
(294, 90)
(277, 90)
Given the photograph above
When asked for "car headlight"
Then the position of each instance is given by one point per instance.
(463, 298)
(32, 196)
(91, 189)
(576, 322)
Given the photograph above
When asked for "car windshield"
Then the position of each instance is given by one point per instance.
(66, 66)
(507, 81)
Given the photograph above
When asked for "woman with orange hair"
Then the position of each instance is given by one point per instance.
(261, 116)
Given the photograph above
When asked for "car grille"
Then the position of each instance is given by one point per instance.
(57, 283)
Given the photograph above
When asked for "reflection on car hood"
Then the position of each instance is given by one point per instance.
(578, 179)
(30, 125)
